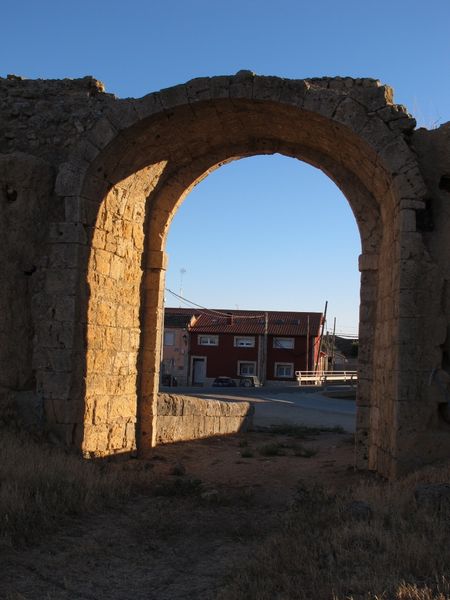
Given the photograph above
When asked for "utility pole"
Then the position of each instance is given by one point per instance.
(332, 343)
(307, 343)
(321, 336)
(264, 348)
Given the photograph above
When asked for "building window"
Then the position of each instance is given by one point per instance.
(283, 342)
(208, 340)
(284, 370)
(246, 368)
(244, 342)
(169, 338)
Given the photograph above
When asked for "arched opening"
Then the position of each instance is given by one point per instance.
(266, 230)
(266, 233)
(139, 177)
(369, 229)
(262, 236)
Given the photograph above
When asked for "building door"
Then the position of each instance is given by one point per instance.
(198, 371)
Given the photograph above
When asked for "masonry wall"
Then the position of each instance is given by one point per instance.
(39, 121)
(89, 185)
(26, 206)
(113, 318)
(432, 365)
(182, 418)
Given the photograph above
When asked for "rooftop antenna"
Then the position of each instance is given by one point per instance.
(182, 272)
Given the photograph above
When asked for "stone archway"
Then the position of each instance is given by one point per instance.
(123, 183)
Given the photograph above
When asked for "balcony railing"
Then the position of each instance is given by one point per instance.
(324, 377)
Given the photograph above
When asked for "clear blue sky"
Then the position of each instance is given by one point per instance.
(220, 233)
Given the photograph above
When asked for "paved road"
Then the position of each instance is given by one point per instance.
(290, 405)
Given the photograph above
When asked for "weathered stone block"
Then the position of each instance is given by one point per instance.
(351, 113)
(55, 334)
(123, 407)
(220, 87)
(267, 88)
(293, 92)
(95, 442)
(199, 89)
(102, 133)
(373, 98)
(174, 96)
(70, 177)
(55, 385)
(61, 281)
(408, 220)
(75, 209)
(368, 262)
(241, 85)
(64, 233)
(324, 102)
(185, 417)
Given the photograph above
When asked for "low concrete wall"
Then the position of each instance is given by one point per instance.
(187, 418)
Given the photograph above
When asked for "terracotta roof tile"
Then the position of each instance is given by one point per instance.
(253, 323)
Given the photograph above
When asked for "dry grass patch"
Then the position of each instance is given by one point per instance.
(371, 542)
(325, 550)
(41, 483)
(287, 440)
(285, 449)
(299, 431)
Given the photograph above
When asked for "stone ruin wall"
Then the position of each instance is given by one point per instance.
(433, 152)
(40, 121)
(45, 335)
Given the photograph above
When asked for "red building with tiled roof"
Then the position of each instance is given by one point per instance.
(270, 344)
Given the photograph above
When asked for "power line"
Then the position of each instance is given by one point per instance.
(210, 310)
(222, 314)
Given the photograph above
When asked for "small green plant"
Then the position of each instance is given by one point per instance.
(304, 452)
(276, 449)
(181, 486)
(333, 429)
(302, 432)
(247, 453)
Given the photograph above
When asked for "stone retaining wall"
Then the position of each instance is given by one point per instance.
(181, 418)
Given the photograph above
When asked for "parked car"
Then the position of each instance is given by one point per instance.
(169, 380)
(250, 381)
(224, 382)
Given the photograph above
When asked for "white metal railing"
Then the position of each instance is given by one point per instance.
(323, 377)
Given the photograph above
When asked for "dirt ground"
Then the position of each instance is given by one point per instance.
(222, 463)
(211, 502)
